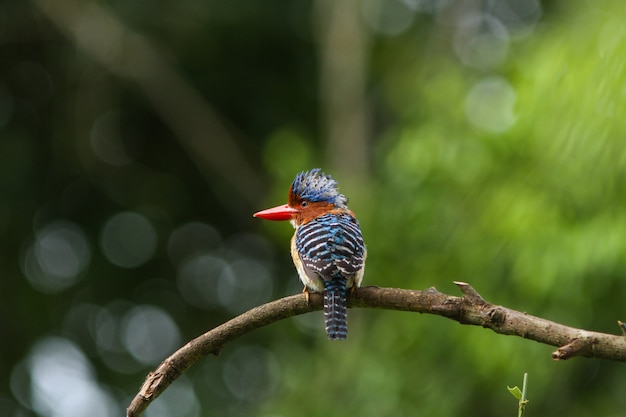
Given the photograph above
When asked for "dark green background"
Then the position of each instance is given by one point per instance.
(477, 141)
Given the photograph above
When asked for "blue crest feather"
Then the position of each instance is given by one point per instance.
(315, 186)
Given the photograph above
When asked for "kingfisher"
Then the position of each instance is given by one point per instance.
(327, 247)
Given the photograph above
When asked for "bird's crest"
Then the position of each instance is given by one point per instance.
(315, 186)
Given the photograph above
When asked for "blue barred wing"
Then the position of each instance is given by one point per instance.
(331, 246)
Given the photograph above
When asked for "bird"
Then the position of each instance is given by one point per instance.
(327, 246)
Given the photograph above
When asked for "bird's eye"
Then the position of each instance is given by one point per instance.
(304, 203)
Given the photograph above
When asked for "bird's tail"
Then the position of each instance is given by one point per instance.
(335, 312)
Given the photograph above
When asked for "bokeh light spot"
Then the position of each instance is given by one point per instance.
(57, 257)
(63, 384)
(209, 281)
(252, 285)
(128, 240)
(387, 17)
(149, 334)
(251, 373)
(99, 328)
(481, 41)
(519, 16)
(200, 277)
(490, 105)
(191, 239)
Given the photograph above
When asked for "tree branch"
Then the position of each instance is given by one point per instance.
(470, 309)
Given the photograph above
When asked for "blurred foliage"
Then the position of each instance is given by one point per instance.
(497, 157)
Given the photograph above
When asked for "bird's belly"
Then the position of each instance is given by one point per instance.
(313, 281)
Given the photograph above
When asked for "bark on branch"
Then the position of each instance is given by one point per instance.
(470, 309)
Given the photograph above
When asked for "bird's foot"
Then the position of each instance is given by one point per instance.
(307, 294)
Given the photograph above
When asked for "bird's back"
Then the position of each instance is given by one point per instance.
(332, 254)
(331, 246)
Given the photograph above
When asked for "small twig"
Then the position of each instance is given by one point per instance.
(582, 346)
(520, 395)
(470, 309)
(523, 401)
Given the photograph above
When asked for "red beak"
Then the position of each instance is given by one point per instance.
(283, 212)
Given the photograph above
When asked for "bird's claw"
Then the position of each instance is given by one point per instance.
(307, 294)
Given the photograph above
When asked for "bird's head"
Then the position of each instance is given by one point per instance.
(311, 194)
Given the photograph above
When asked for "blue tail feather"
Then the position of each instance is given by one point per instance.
(335, 312)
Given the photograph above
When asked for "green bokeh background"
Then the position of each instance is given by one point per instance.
(506, 170)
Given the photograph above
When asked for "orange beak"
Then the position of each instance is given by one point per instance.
(283, 212)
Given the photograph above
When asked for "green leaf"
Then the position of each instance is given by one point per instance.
(515, 391)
